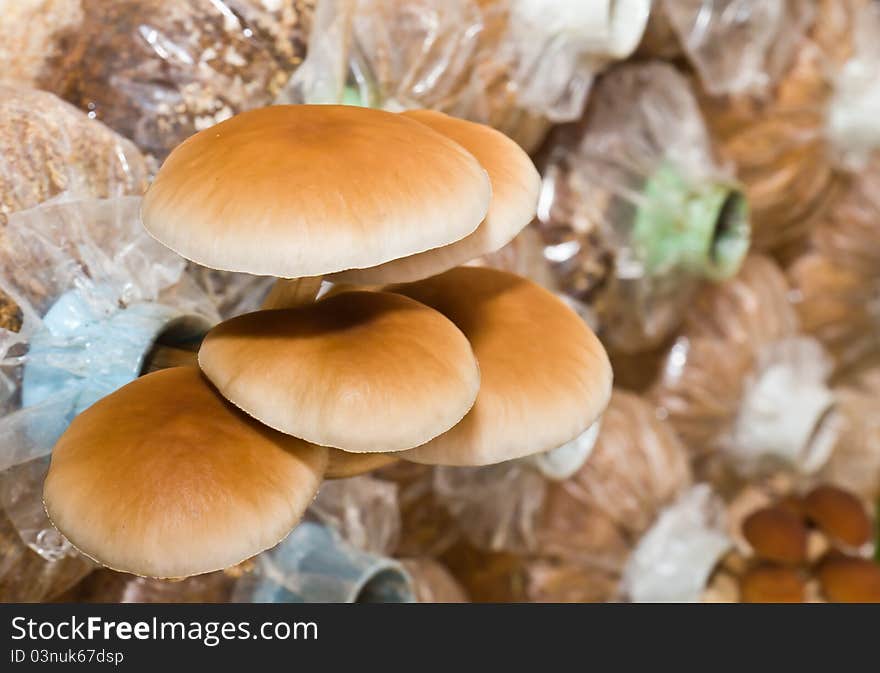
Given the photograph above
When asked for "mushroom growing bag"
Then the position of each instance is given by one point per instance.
(635, 212)
(791, 143)
(741, 379)
(159, 71)
(517, 65)
(838, 280)
(737, 46)
(94, 293)
(49, 148)
(628, 512)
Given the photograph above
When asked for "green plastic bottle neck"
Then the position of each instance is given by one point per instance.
(701, 228)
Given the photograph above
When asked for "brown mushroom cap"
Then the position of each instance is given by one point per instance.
(360, 371)
(307, 190)
(839, 514)
(850, 580)
(164, 478)
(545, 378)
(772, 584)
(776, 535)
(515, 188)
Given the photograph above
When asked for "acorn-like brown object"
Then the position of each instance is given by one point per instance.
(772, 584)
(839, 514)
(846, 579)
(776, 534)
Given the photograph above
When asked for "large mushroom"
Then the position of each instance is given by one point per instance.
(301, 191)
(545, 378)
(164, 478)
(364, 372)
(515, 189)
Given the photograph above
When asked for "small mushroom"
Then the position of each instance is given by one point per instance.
(545, 378)
(847, 579)
(364, 372)
(776, 534)
(839, 514)
(772, 584)
(795, 505)
(515, 188)
(164, 478)
(300, 191)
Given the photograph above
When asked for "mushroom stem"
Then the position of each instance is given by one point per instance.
(162, 356)
(342, 464)
(292, 292)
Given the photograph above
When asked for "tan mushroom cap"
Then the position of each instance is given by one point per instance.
(359, 371)
(307, 190)
(164, 478)
(515, 189)
(545, 378)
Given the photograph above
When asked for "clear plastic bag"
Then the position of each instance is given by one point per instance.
(791, 143)
(36, 562)
(637, 467)
(514, 64)
(49, 148)
(635, 212)
(837, 283)
(159, 71)
(95, 292)
(741, 380)
(363, 510)
(495, 506)
(675, 558)
(427, 528)
(573, 542)
(738, 46)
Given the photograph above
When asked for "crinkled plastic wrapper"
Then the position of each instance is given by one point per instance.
(743, 381)
(637, 467)
(514, 64)
(95, 292)
(48, 148)
(231, 293)
(675, 558)
(790, 144)
(738, 46)
(159, 71)
(635, 212)
(838, 281)
(522, 537)
(363, 510)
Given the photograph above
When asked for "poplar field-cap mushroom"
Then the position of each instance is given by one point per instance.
(516, 186)
(359, 371)
(545, 378)
(301, 191)
(164, 478)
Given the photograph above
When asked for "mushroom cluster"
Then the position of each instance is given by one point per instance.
(191, 469)
(796, 549)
